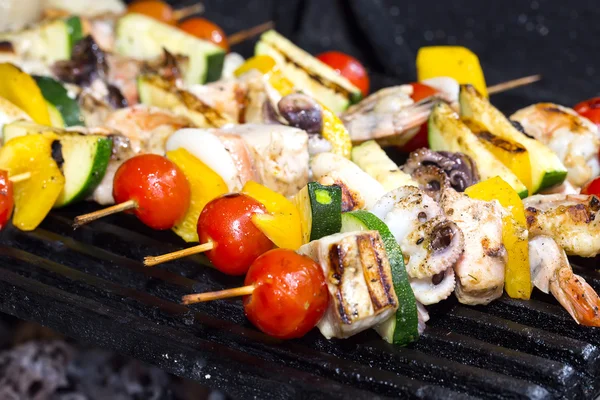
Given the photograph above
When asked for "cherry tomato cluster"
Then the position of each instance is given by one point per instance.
(290, 293)
(199, 27)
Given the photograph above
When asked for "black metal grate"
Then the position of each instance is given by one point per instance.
(90, 284)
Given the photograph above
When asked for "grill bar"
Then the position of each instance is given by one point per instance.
(91, 284)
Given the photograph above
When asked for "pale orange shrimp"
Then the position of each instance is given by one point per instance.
(551, 272)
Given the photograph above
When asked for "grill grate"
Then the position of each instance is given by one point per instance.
(90, 284)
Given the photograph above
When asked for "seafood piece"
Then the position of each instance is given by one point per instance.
(359, 190)
(143, 130)
(551, 272)
(432, 180)
(430, 243)
(387, 113)
(359, 279)
(279, 153)
(575, 139)
(423, 316)
(460, 168)
(572, 220)
(241, 157)
(480, 269)
(228, 97)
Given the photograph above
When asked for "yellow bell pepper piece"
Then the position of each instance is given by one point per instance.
(456, 62)
(282, 225)
(517, 280)
(336, 133)
(268, 67)
(34, 197)
(20, 89)
(205, 186)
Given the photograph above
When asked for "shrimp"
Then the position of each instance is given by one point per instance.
(575, 139)
(551, 272)
(571, 220)
(387, 114)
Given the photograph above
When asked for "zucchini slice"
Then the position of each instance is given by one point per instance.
(56, 94)
(85, 158)
(448, 133)
(10, 113)
(372, 159)
(320, 210)
(308, 73)
(48, 42)
(512, 154)
(401, 329)
(546, 168)
(158, 92)
(145, 38)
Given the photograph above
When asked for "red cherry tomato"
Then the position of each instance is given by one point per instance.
(159, 188)
(420, 140)
(7, 200)
(227, 222)
(204, 29)
(290, 294)
(156, 9)
(592, 187)
(349, 67)
(590, 109)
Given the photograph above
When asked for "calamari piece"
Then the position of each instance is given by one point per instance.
(572, 220)
(480, 269)
(359, 280)
(241, 157)
(432, 290)
(551, 272)
(359, 189)
(575, 139)
(387, 113)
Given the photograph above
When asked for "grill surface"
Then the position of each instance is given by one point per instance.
(90, 284)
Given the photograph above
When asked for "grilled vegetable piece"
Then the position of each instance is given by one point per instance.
(10, 113)
(546, 168)
(456, 62)
(205, 185)
(402, 328)
(282, 224)
(85, 157)
(158, 92)
(35, 196)
(20, 89)
(307, 73)
(517, 278)
(320, 210)
(145, 38)
(359, 190)
(448, 133)
(371, 158)
(510, 153)
(47, 42)
(55, 94)
(359, 279)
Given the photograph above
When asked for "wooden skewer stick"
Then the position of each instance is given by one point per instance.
(181, 13)
(86, 218)
(221, 294)
(249, 33)
(515, 83)
(20, 177)
(152, 261)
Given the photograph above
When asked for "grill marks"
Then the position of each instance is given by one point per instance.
(532, 334)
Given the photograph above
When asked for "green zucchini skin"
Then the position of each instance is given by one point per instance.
(55, 93)
(74, 30)
(403, 328)
(326, 205)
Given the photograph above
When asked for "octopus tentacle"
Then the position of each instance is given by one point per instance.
(434, 289)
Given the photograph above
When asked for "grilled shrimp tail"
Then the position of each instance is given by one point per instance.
(577, 297)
